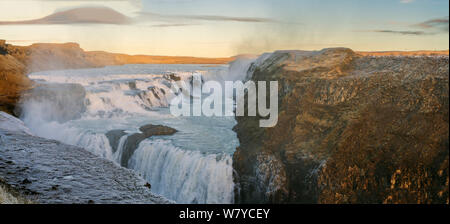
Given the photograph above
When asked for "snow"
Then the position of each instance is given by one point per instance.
(47, 171)
(11, 123)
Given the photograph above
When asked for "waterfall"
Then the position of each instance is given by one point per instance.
(105, 101)
(117, 156)
(184, 176)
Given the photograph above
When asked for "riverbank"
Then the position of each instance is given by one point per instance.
(39, 170)
(351, 129)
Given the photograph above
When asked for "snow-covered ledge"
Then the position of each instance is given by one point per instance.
(11, 123)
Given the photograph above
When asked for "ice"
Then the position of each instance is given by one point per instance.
(11, 123)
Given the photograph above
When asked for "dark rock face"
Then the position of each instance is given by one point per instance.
(173, 77)
(3, 50)
(351, 129)
(130, 145)
(132, 141)
(132, 84)
(114, 138)
(151, 130)
(58, 102)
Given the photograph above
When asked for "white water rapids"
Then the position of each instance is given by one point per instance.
(192, 166)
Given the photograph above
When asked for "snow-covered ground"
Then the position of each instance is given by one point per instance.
(47, 171)
(10, 123)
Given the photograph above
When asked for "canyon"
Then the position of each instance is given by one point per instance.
(354, 127)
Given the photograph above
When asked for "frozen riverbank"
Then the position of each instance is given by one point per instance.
(47, 171)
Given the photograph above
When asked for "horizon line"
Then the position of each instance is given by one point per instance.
(222, 57)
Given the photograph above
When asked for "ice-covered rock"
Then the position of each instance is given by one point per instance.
(47, 171)
(11, 123)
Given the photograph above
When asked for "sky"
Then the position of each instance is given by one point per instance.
(222, 28)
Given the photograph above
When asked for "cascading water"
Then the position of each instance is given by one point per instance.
(192, 166)
(192, 176)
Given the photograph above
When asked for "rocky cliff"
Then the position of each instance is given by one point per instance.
(12, 79)
(351, 129)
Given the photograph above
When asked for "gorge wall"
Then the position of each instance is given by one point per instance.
(13, 80)
(351, 129)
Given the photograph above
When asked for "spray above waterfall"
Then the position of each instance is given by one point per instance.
(220, 101)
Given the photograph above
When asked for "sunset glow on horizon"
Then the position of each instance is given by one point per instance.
(213, 28)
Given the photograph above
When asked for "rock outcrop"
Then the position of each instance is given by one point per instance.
(351, 129)
(132, 141)
(13, 80)
(404, 53)
(39, 170)
(114, 137)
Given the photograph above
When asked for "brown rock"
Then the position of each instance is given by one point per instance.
(17, 61)
(351, 129)
(12, 80)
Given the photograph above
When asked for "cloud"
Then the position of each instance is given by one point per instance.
(406, 1)
(417, 33)
(227, 18)
(137, 3)
(429, 27)
(207, 18)
(172, 25)
(84, 15)
(106, 15)
(440, 23)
